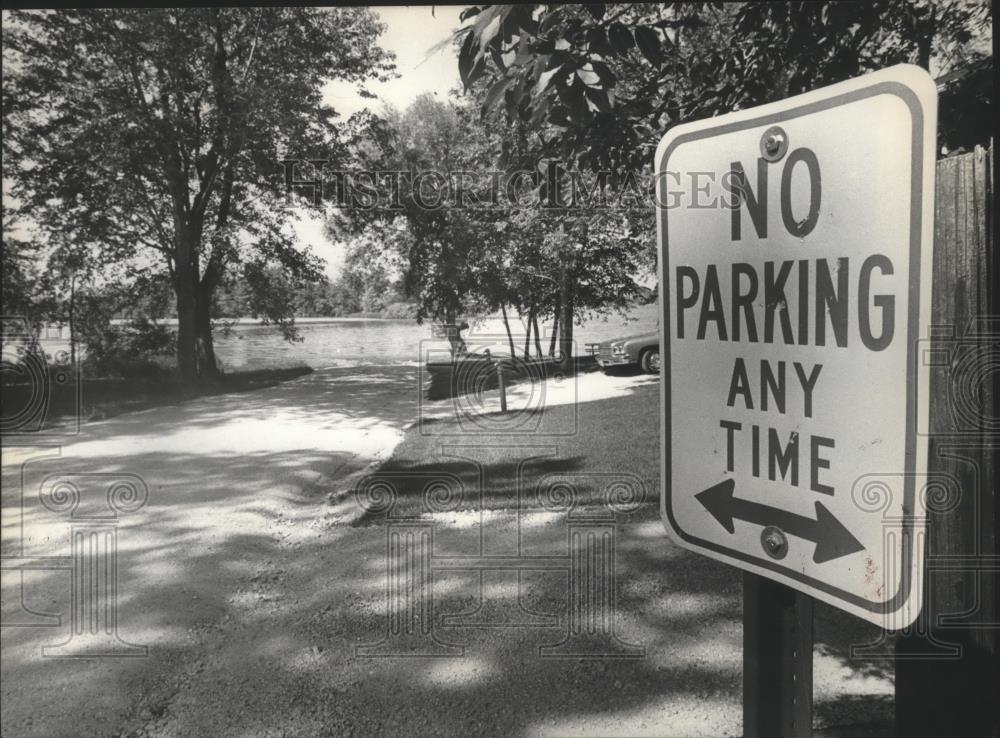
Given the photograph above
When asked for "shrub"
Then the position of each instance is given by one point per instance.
(140, 348)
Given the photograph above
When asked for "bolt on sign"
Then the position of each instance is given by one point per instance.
(795, 270)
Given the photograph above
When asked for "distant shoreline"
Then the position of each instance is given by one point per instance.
(258, 321)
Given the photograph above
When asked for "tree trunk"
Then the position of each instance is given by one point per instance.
(457, 343)
(187, 316)
(566, 305)
(538, 340)
(208, 367)
(555, 328)
(72, 311)
(527, 334)
(510, 336)
(195, 352)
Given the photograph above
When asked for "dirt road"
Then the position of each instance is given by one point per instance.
(249, 605)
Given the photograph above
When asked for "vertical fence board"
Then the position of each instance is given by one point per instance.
(947, 680)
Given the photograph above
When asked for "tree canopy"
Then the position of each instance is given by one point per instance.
(601, 83)
(482, 251)
(154, 137)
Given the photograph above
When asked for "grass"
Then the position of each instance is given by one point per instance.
(475, 373)
(68, 397)
(615, 438)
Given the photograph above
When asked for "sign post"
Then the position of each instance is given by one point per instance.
(777, 660)
(795, 250)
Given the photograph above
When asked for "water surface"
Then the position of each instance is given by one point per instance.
(351, 341)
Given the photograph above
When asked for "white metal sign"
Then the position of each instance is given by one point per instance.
(795, 274)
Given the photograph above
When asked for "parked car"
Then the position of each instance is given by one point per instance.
(642, 350)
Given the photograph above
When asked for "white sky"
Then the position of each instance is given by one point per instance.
(412, 31)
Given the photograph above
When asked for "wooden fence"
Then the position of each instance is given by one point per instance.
(947, 664)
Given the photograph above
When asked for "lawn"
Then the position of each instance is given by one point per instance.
(597, 443)
(64, 397)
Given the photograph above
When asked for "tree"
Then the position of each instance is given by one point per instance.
(373, 264)
(562, 261)
(558, 254)
(577, 262)
(595, 86)
(18, 257)
(602, 83)
(432, 245)
(161, 131)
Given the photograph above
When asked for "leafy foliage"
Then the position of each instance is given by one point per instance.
(137, 349)
(600, 83)
(155, 136)
(497, 254)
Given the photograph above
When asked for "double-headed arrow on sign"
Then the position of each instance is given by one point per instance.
(832, 539)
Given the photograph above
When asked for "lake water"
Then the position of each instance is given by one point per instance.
(356, 341)
(352, 341)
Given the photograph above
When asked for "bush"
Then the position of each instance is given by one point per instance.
(400, 310)
(139, 349)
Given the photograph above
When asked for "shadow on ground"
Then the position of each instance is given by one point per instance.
(253, 603)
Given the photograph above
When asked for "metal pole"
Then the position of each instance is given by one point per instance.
(777, 660)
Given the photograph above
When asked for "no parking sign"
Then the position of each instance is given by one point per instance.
(795, 255)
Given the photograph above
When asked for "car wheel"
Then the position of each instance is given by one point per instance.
(650, 361)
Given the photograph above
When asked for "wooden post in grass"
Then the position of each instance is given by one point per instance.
(947, 663)
(502, 386)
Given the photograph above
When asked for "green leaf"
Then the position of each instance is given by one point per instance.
(542, 106)
(596, 10)
(494, 94)
(477, 70)
(620, 38)
(560, 115)
(577, 101)
(498, 59)
(600, 99)
(467, 59)
(550, 18)
(603, 71)
(511, 102)
(525, 15)
(597, 42)
(648, 42)
(566, 91)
